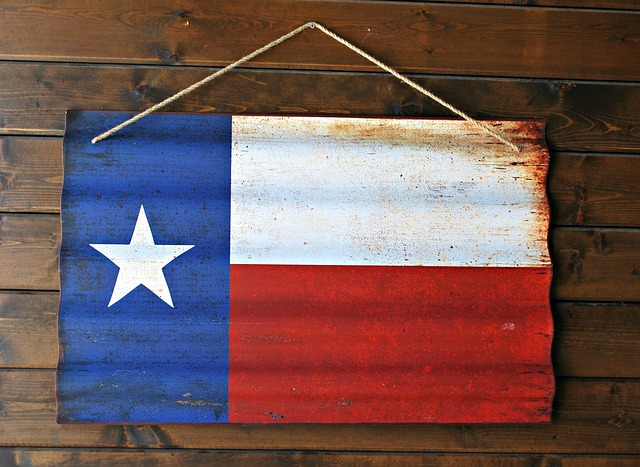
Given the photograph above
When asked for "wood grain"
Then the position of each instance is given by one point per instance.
(590, 339)
(30, 174)
(590, 417)
(498, 44)
(596, 264)
(429, 38)
(28, 326)
(589, 264)
(29, 249)
(596, 340)
(581, 116)
(188, 458)
(600, 4)
(595, 189)
(584, 189)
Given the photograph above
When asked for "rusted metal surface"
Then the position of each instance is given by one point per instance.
(362, 191)
(330, 270)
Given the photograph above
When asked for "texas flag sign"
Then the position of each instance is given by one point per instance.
(256, 269)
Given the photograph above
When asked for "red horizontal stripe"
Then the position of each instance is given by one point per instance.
(349, 344)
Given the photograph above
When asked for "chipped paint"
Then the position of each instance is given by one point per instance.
(387, 192)
(345, 281)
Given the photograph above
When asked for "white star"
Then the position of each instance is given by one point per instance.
(141, 262)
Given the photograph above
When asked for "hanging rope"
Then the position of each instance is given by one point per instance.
(280, 40)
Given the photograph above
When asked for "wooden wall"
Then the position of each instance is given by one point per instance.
(575, 63)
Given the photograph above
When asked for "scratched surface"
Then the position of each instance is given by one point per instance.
(393, 192)
(342, 271)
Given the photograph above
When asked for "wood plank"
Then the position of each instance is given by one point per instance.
(581, 116)
(596, 340)
(187, 458)
(589, 338)
(30, 174)
(596, 264)
(584, 189)
(601, 4)
(589, 264)
(29, 249)
(429, 38)
(28, 326)
(595, 189)
(590, 417)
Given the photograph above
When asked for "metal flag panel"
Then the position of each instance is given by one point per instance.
(256, 269)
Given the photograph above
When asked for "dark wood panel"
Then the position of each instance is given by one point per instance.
(596, 340)
(584, 189)
(592, 418)
(581, 116)
(611, 4)
(429, 37)
(589, 417)
(589, 264)
(595, 189)
(596, 264)
(28, 326)
(30, 174)
(188, 458)
(29, 249)
(589, 339)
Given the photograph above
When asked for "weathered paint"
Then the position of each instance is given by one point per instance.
(365, 191)
(348, 344)
(343, 271)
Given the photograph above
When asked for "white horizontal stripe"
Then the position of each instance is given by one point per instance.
(362, 191)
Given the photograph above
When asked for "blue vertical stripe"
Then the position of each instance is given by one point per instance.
(140, 360)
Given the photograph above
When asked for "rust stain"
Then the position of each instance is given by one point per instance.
(526, 171)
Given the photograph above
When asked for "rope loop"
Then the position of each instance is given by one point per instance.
(280, 40)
